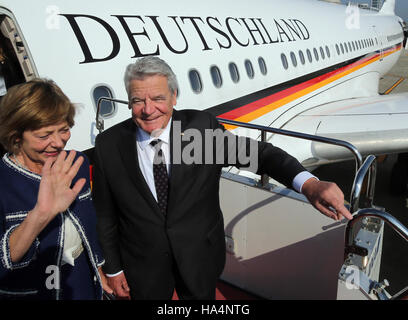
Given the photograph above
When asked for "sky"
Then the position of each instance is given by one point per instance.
(401, 7)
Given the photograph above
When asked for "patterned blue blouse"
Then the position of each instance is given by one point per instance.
(40, 274)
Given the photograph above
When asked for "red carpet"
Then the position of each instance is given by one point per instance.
(225, 291)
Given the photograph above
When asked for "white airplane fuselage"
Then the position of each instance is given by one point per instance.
(85, 45)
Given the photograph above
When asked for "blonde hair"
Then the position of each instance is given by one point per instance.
(31, 106)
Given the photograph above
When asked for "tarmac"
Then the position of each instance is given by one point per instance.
(394, 262)
(396, 76)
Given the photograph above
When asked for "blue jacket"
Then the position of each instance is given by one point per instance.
(30, 277)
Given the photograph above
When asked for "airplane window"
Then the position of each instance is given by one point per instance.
(316, 54)
(195, 81)
(284, 61)
(309, 55)
(262, 65)
(341, 47)
(327, 52)
(359, 44)
(354, 46)
(376, 42)
(233, 69)
(216, 76)
(337, 49)
(107, 108)
(293, 58)
(322, 53)
(302, 57)
(345, 47)
(349, 45)
(249, 69)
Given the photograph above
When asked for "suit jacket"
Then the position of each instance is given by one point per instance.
(137, 238)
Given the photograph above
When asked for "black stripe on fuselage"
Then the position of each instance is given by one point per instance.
(247, 99)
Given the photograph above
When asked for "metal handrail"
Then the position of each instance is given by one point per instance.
(369, 166)
(264, 179)
(99, 123)
(305, 136)
(371, 212)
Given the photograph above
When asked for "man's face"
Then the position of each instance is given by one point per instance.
(151, 102)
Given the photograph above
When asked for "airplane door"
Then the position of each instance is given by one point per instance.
(15, 65)
(379, 42)
(15, 62)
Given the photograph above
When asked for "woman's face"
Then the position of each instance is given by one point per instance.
(39, 145)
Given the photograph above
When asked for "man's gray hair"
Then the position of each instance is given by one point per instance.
(150, 66)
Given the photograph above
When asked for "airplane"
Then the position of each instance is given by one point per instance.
(267, 66)
(301, 65)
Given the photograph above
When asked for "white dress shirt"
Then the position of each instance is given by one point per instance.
(72, 243)
(145, 155)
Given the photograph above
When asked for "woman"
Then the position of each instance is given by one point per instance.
(48, 242)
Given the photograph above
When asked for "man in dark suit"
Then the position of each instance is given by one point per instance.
(159, 220)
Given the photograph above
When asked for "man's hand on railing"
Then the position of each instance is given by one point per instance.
(327, 198)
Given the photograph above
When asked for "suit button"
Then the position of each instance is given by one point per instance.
(166, 254)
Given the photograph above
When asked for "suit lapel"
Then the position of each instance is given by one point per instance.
(128, 153)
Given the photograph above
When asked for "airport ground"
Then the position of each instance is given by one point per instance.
(394, 264)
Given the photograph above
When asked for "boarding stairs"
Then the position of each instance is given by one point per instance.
(316, 252)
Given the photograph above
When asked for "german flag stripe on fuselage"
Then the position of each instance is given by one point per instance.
(257, 104)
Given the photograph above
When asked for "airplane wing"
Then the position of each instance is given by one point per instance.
(375, 125)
